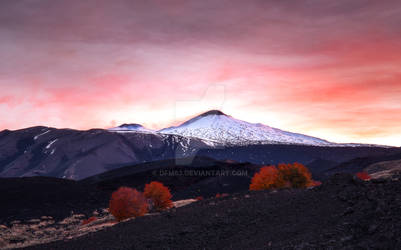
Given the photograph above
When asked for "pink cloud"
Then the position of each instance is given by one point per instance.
(329, 69)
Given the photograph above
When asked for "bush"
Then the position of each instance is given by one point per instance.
(126, 203)
(91, 219)
(363, 176)
(199, 198)
(295, 175)
(267, 178)
(159, 195)
(315, 184)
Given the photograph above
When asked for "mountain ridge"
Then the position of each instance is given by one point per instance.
(216, 126)
(77, 154)
(224, 130)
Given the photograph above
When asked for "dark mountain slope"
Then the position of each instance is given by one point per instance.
(186, 178)
(360, 163)
(197, 161)
(26, 198)
(74, 154)
(319, 167)
(210, 178)
(343, 213)
(32, 197)
(273, 154)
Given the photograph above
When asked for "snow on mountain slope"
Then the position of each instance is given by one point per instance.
(132, 127)
(220, 128)
(76, 154)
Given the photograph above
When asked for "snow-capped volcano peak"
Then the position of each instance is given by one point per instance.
(216, 126)
(212, 112)
(207, 116)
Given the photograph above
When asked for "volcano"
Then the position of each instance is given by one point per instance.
(220, 128)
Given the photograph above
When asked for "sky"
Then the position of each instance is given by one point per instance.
(330, 69)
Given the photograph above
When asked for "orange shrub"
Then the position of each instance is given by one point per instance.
(268, 177)
(126, 203)
(315, 184)
(91, 219)
(159, 195)
(363, 176)
(295, 175)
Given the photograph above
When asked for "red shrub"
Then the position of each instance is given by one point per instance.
(199, 198)
(159, 195)
(315, 184)
(91, 219)
(126, 203)
(363, 176)
(218, 195)
(295, 175)
(268, 177)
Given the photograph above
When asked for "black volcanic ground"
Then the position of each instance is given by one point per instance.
(33, 197)
(343, 213)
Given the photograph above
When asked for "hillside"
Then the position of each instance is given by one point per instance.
(361, 163)
(32, 197)
(342, 213)
(188, 179)
(274, 154)
(75, 154)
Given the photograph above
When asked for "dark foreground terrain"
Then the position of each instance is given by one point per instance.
(342, 213)
(28, 198)
(32, 197)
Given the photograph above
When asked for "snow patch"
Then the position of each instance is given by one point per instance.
(37, 136)
(51, 143)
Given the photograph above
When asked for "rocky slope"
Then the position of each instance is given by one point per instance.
(362, 163)
(74, 154)
(32, 197)
(342, 213)
(274, 154)
(28, 198)
(384, 169)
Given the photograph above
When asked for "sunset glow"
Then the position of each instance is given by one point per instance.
(330, 69)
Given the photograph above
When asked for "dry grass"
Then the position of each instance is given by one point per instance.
(385, 169)
(45, 229)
